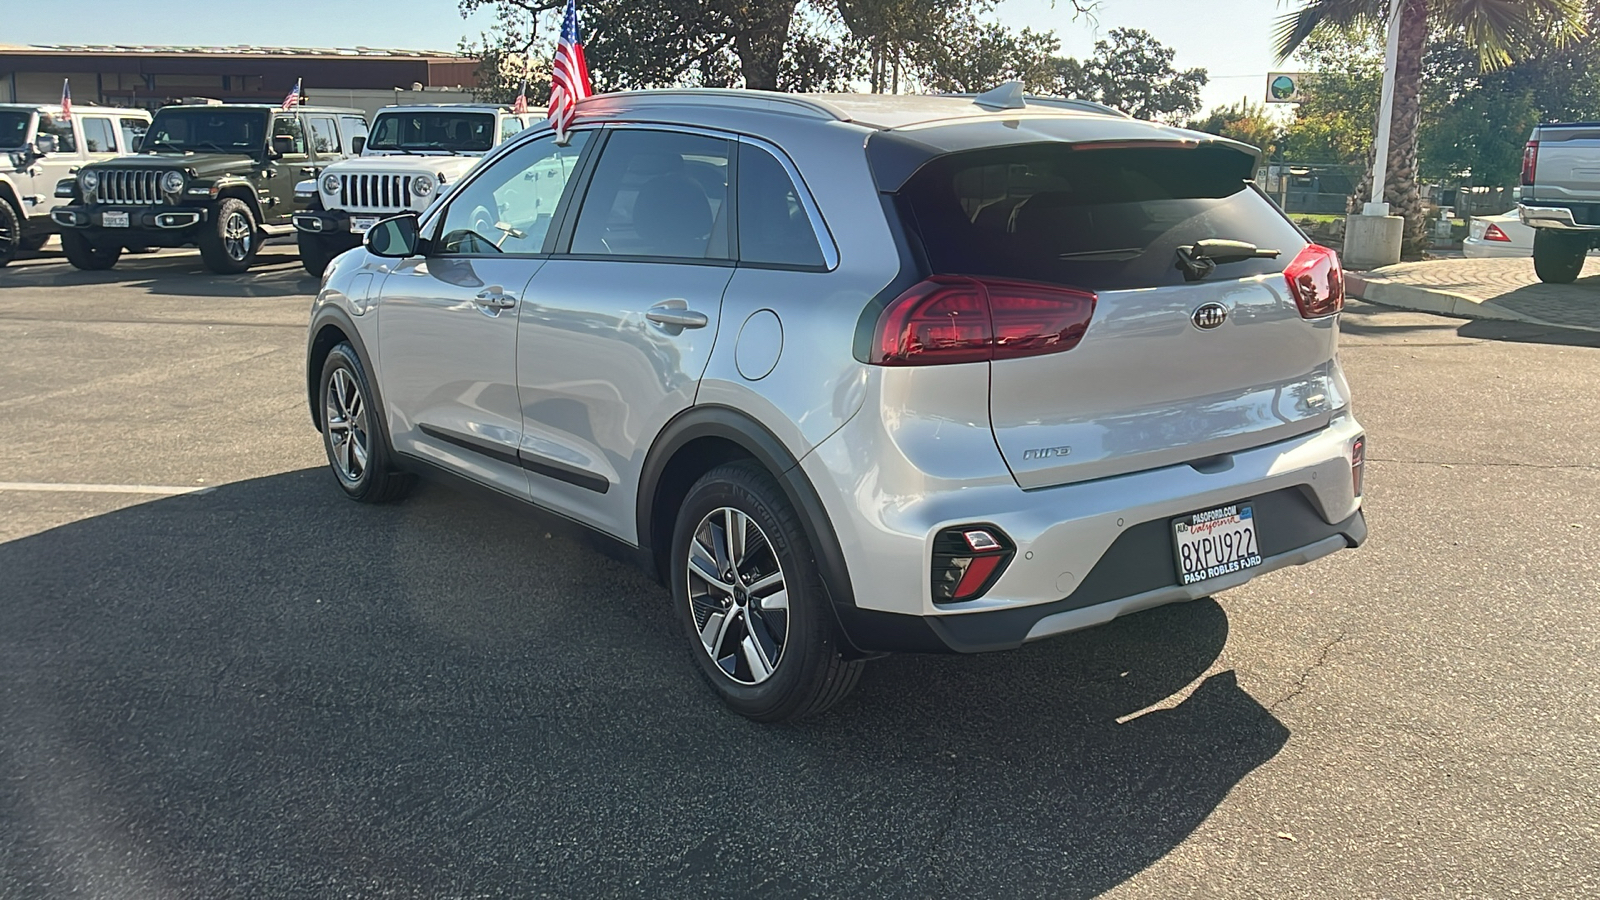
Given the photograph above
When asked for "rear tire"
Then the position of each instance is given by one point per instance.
(10, 232)
(1557, 256)
(760, 629)
(230, 239)
(352, 431)
(86, 254)
(35, 243)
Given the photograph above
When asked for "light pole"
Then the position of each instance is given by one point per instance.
(1372, 239)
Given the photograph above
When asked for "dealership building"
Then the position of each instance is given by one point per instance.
(147, 76)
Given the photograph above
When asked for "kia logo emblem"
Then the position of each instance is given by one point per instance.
(1209, 316)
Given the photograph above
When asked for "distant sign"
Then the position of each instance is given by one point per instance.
(1286, 87)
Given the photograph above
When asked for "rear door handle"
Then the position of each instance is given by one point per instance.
(676, 313)
(492, 298)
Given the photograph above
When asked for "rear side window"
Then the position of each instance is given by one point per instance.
(353, 128)
(657, 194)
(98, 137)
(1101, 218)
(324, 136)
(773, 226)
(133, 132)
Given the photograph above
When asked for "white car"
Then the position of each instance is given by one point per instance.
(1502, 235)
(405, 164)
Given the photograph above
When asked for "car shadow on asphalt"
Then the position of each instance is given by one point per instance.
(276, 273)
(1373, 320)
(267, 690)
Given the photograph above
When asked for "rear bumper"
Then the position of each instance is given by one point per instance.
(1136, 573)
(1475, 249)
(1564, 217)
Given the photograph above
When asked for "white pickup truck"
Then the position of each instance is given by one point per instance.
(412, 153)
(1561, 197)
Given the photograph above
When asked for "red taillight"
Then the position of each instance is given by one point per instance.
(1358, 461)
(956, 319)
(1530, 162)
(1316, 281)
(1493, 233)
(967, 561)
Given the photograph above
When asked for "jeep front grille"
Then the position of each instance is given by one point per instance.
(375, 193)
(137, 187)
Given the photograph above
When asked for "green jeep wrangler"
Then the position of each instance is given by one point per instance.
(220, 176)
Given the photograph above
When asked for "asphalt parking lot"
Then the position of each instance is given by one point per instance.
(259, 689)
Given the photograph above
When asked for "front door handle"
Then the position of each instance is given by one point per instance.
(493, 298)
(308, 170)
(676, 313)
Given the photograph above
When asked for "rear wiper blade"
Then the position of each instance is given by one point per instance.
(1119, 255)
(1201, 258)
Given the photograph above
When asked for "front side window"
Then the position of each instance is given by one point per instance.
(773, 226)
(133, 131)
(66, 141)
(289, 126)
(657, 194)
(98, 135)
(324, 136)
(441, 131)
(207, 130)
(509, 208)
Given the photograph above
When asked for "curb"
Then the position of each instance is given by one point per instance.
(1441, 302)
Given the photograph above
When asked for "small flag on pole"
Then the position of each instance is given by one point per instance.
(66, 99)
(293, 100)
(520, 105)
(569, 82)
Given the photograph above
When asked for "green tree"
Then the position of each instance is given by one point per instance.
(1133, 72)
(1498, 31)
(1245, 122)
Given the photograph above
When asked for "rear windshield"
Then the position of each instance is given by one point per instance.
(1099, 218)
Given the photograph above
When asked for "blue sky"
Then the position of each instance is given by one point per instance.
(1233, 42)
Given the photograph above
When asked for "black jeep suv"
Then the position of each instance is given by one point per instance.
(220, 176)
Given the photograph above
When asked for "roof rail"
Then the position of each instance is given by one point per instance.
(1010, 95)
(769, 101)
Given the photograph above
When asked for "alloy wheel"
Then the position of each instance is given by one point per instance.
(346, 416)
(236, 236)
(737, 596)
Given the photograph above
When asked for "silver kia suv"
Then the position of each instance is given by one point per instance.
(857, 374)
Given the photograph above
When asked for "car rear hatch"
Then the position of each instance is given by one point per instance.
(1177, 364)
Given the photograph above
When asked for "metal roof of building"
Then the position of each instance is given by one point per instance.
(221, 50)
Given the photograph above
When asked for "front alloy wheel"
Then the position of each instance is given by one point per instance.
(237, 236)
(351, 431)
(346, 416)
(737, 596)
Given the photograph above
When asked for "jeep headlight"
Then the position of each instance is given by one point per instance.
(172, 182)
(330, 184)
(88, 179)
(422, 185)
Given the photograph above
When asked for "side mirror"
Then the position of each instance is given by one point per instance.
(395, 238)
(282, 144)
(45, 144)
(358, 144)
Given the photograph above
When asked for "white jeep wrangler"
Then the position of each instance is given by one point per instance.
(411, 154)
(39, 148)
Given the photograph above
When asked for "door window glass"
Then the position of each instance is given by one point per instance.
(510, 127)
(289, 126)
(509, 208)
(773, 226)
(98, 135)
(353, 128)
(657, 193)
(66, 141)
(133, 132)
(324, 136)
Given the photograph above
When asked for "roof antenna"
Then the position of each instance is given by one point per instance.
(1006, 96)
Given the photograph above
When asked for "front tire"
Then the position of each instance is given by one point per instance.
(86, 254)
(229, 241)
(352, 432)
(1558, 257)
(745, 582)
(10, 232)
(35, 243)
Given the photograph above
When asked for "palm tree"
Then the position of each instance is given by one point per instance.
(1500, 30)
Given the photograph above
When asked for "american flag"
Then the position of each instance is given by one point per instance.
(520, 106)
(66, 99)
(293, 100)
(569, 83)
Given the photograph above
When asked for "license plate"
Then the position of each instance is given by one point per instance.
(114, 219)
(1216, 542)
(362, 224)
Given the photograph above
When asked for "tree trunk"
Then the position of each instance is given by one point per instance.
(1401, 190)
(760, 45)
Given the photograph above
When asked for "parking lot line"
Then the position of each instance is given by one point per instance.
(162, 489)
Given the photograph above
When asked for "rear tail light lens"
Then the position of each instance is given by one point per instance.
(967, 561)
(1530, 162)
(1316, 281)
(957, 319)
(1358, 461)
(1493, 233)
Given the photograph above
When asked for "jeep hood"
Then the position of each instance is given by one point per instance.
(452, 166)
(203, 165)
